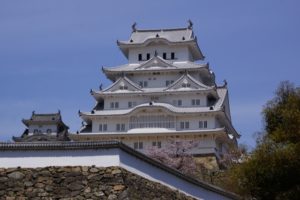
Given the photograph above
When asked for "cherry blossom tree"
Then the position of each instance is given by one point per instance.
(175, 154)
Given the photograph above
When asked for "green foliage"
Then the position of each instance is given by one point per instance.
(273, 169)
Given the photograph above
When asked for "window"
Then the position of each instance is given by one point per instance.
(156, 144)
(184, 125)
(49, 131)
(179, 102)
(164, 55)
(148, 56)
(120, 127)
(169, 82)
(131, 104)
(172, 55)
(35, 131)
(102, 127)
(143, 83)
(202, 124)
(195, 102)
(135, 145)
(138, 145)
(114, 104)
(140, 57)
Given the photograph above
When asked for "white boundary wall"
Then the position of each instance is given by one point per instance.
(104, 158)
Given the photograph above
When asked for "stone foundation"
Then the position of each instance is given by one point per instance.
(67, 183)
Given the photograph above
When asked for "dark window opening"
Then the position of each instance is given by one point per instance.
(172, 55)
(164, 55)
(140, 57)
(148, 56)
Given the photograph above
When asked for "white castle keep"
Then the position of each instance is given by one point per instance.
(161, 94)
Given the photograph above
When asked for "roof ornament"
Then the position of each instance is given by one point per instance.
(79, 113)
(102, 68)
(82, 124)
(133, 27)
(91, 91)
(190, 26)
(157, 35)
(100, 87)
(58, 111)
(225, 83)
(33, 112)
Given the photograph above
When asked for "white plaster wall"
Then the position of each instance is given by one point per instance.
(42, 128)
(155, 81)
(181, 53)
(101, 157)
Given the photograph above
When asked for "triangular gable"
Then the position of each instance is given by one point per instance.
(123, 84)
(156, 63)
(186, 82)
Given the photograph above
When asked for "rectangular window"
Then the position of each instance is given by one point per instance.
(140, 145)
(179, 102)
(159, 144)
(118, 127)
(136, 145)
(102, 127)
(167, 83)
(112, 105)
(181, 125)
(172, 55)
(184, 125)
(202, 124)
(195, 102)
(148, 56)
(145, 84)
(165, 56)
(187, 125)
(141, 83)
(122, 127)
(129, 104)
(140, 57)
(116, 104)
(205, 124)
(154, 143)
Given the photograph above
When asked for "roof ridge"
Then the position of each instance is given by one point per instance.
(163, 29)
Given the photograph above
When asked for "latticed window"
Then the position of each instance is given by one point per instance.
(152, 121)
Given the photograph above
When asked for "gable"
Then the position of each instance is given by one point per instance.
(155, 63)
(186, 82)
(123, 84)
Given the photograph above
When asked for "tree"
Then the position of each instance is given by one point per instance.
(273, 170)
(175, 154)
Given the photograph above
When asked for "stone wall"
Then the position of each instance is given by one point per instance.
(80, 183)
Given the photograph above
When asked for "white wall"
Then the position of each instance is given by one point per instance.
(181, 53)
(42, 129)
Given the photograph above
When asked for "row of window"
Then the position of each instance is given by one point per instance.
(140, 145)
(178, 102)
(119, 127)
(163, 124)
(36, 131)
(165, 55)
(186, 125)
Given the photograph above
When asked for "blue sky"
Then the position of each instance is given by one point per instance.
(51, 52)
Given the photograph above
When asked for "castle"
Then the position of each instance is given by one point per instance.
(161, 94)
